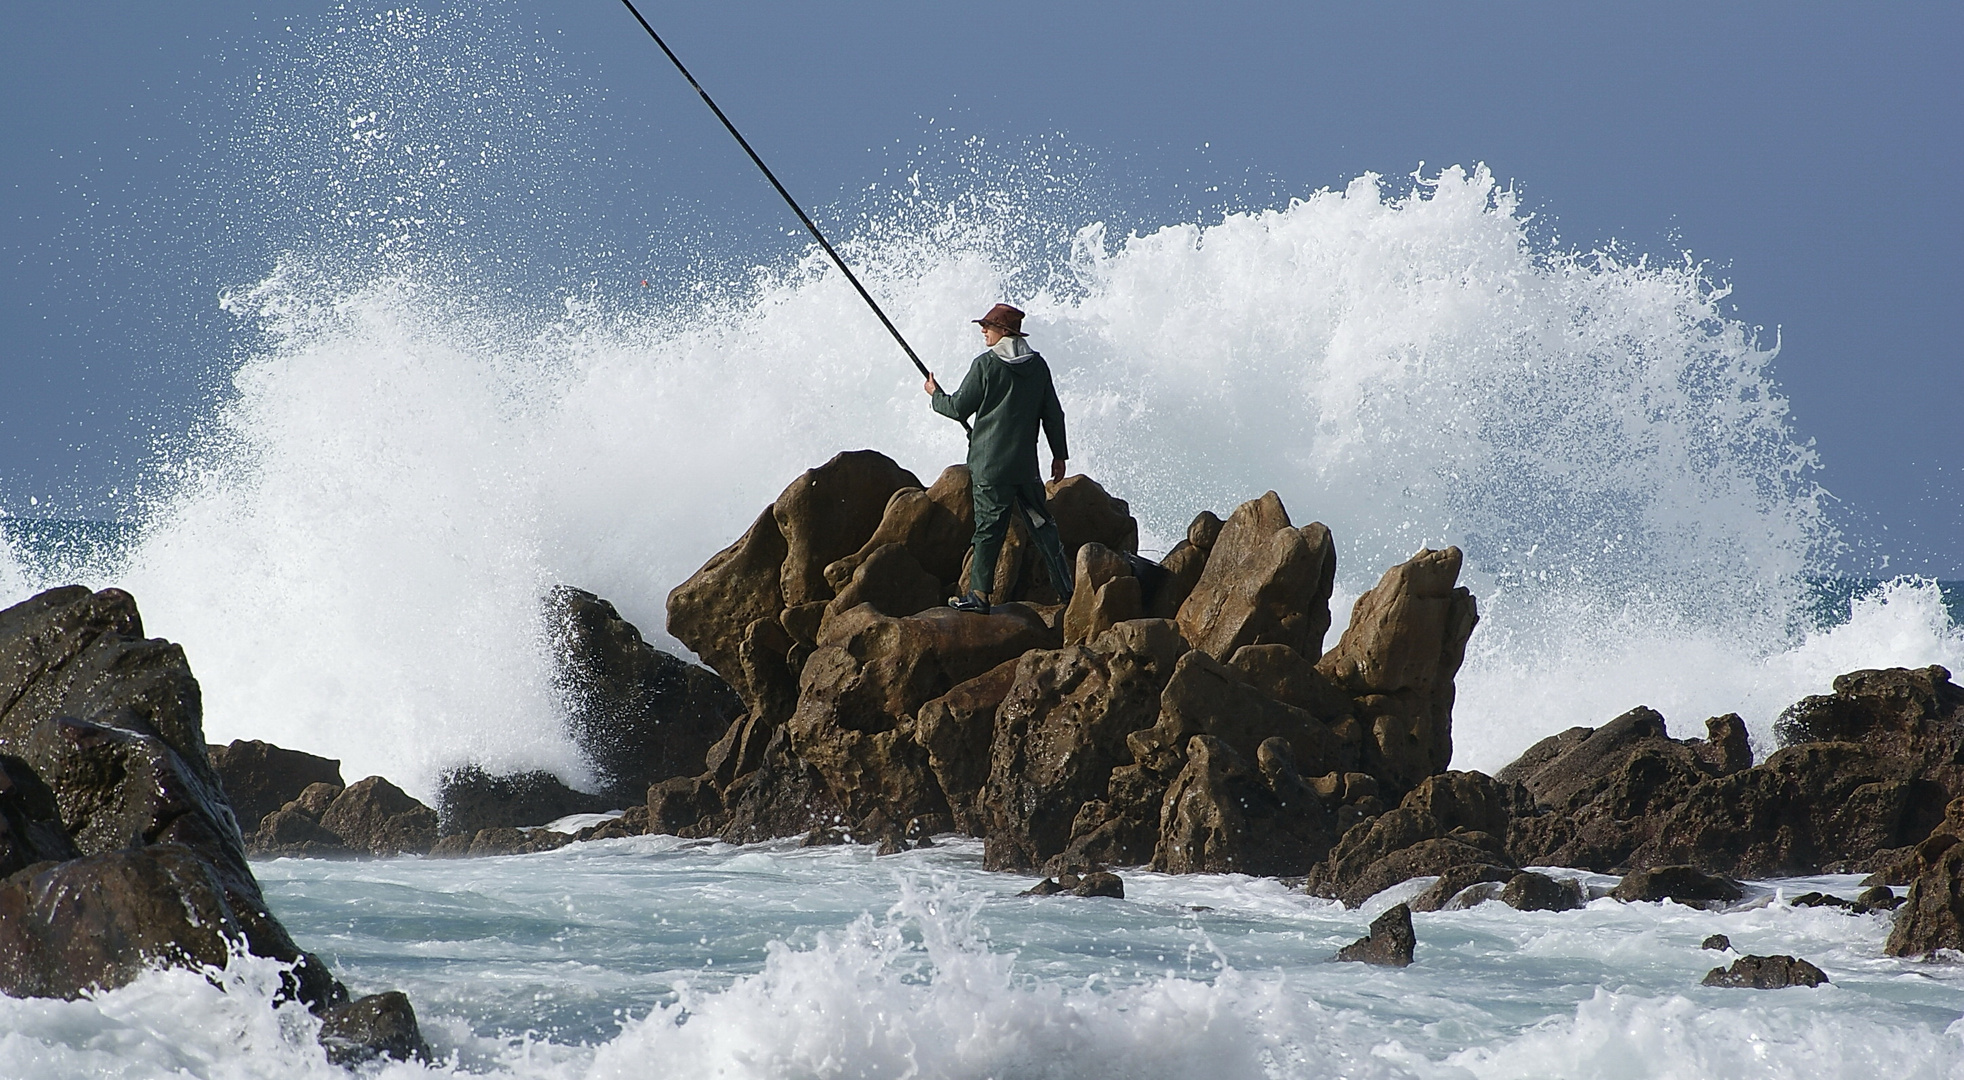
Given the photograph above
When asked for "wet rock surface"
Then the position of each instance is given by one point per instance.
(260, 778)
(123, 849)
(1684, 884)
(377, 1026)
(1766, 973)
(1389, 944)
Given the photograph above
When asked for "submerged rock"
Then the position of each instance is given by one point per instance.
(1765, 973)
(1389, 944)
(1450, 820)
(1685, 884)
(1529, 891)
(376, 1026)
(470, 800)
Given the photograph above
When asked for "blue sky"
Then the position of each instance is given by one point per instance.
(1807, 152)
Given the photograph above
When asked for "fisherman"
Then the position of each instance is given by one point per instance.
(1009, 392)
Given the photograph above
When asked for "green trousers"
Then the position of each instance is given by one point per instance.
(993, 504)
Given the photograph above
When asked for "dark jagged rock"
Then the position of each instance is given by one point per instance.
(956, 729)
(1718, 943)
(1446, 893)
(1060, 733)
(1389, 944)
(678, 805)
(1265, 582)
(1206, 697)
(1627, 794)
(1879, 898)
(376, 1026)
(379, 818)
(1222, 815)
(1529, 891)
(259, 777)
(869, 713)
(870, 675)
(1099, 883)
(1821, 899)
(30, 822)
(1397, 659)
(105, 727)
(470, 799)
(1931, 917)
(98, 922)
(1766, 973)
(1452, 819)
(1684, 884)
(638, 714)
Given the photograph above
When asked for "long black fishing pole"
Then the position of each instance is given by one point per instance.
(788, 200)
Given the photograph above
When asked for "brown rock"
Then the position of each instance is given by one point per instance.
(1684, 884)
(827, 513)
(1932, 917)
(1766, 973)
(680, 803)
(862, 687)
(892, 581)
(1100, 883)
(472, 800)
(259, 777)
(1406, 639)
(109, 726)
(1221, 816)
(1452, 819)
(1204, 530)
(935, 526)
(1183, 566)
(1389, 944)
(1265, 582)
(1061, 731)
(1717, 943)
(1445, 894)
(1205, 697)
(714, 609)
(377, 817)
(1529, 891)
(376, 1026)
(956, 729)
(1106, 593)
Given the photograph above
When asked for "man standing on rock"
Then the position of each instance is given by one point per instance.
(1009, 392)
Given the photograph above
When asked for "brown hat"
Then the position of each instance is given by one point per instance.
(1004, 318)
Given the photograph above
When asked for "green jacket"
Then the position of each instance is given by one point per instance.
(1008, 402)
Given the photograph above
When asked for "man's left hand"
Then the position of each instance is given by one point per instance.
(1056, 469)
(928, 387)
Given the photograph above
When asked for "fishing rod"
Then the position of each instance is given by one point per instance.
(788, 200)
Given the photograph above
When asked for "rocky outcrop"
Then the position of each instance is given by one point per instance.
(1224, 815)
(638, 714)
(1865, 776)
(132, 855)
(259, 777)
(1389, 944)
(1932, 916)
(1455, 819)
(1265, 582)
(1765, 973)
(470, 800)
(376, 1026)
(1059, 735)
(1685, 884)
(1397, 658)
(1172, 713)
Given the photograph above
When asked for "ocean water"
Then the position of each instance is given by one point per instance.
(653, 957)
(418, 440)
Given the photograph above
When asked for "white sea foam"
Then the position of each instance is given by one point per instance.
(924, 965)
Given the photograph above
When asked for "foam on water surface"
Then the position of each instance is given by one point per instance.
(653, 957)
